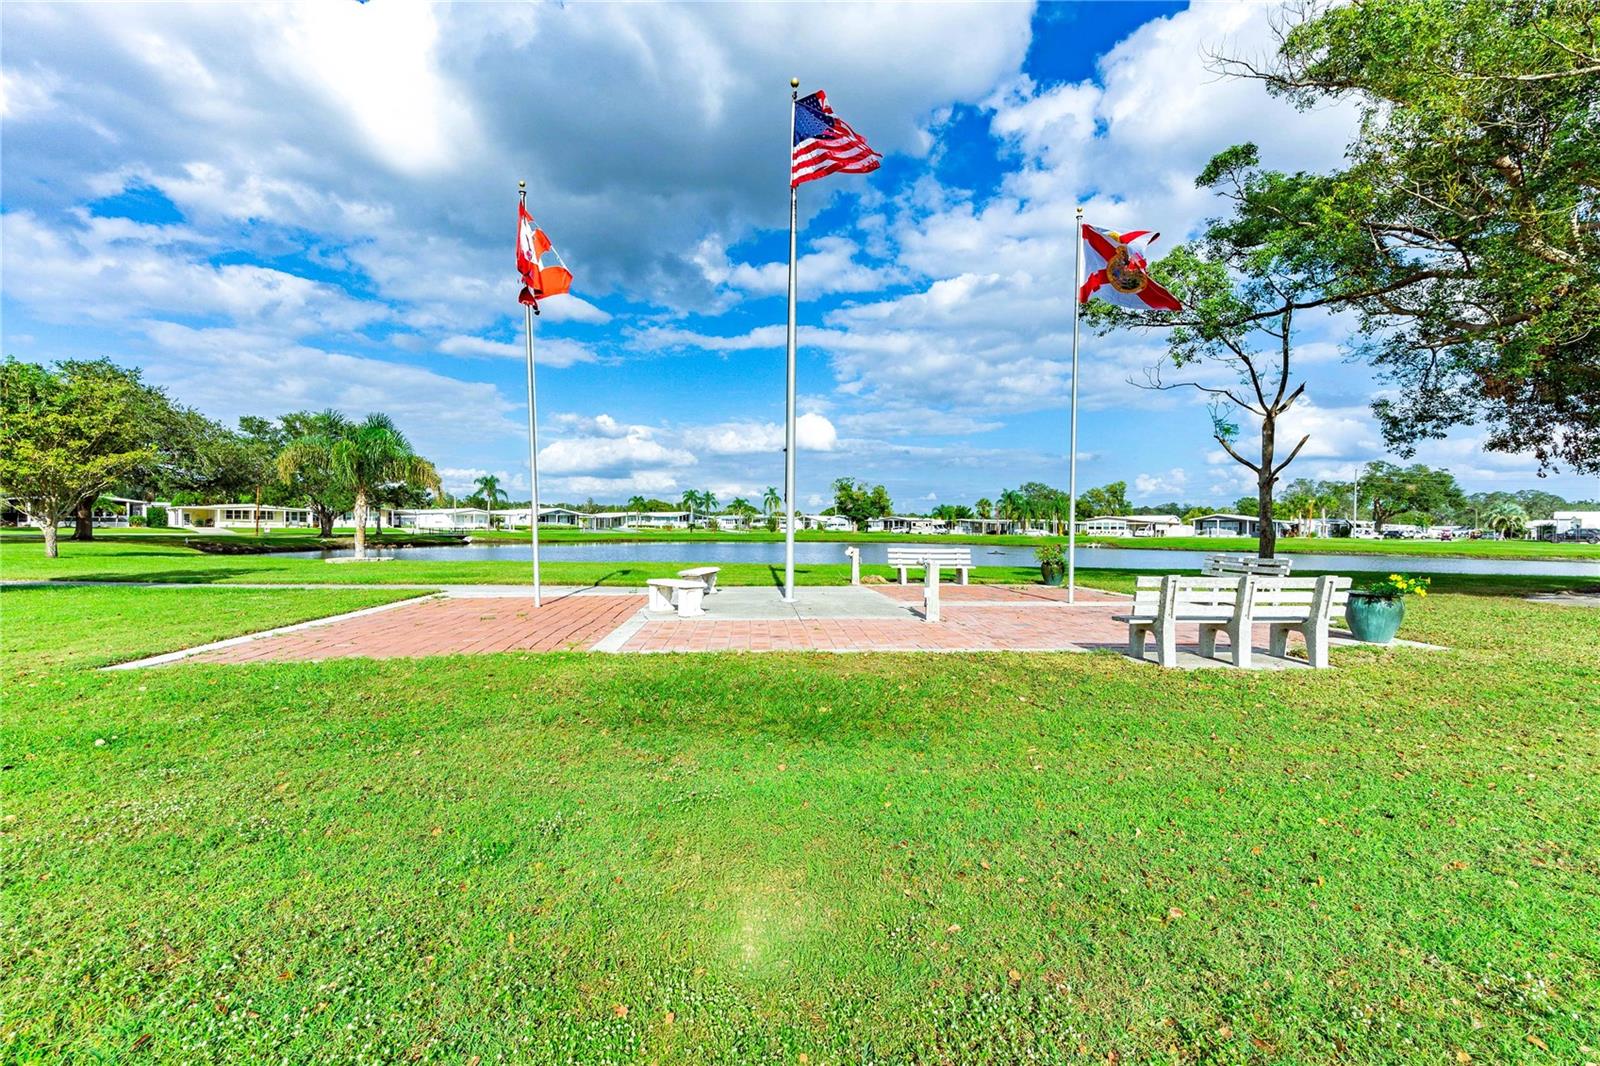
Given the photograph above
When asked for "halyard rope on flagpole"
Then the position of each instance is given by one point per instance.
(533, 432)
(788, 429)
(1072, 421)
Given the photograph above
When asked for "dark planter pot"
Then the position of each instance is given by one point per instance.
(1053, 573)
(1374, 619)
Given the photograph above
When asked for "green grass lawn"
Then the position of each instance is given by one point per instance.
(734, 859)
(46, 627)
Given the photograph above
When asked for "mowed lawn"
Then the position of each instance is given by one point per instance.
(887, 858)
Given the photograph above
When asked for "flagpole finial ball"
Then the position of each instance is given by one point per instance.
(522, 185)
(794, 83)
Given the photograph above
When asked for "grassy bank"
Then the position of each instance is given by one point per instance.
(307, 540)
(163, 560)
(734, 859)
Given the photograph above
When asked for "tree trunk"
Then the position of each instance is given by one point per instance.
(48, 528)
(83, 520)
(1267, 531)
(325, 521)
(361, 524)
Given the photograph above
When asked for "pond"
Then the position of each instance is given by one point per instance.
(982, 555)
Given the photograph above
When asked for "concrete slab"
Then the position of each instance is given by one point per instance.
(759, 604)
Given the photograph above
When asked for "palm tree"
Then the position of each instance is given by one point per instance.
(488, 487)
(371, 455)
(306, 464)
(638, 503)
(1013, 506)
(771, 501)
(985, 507)
(688, 502)
(1506, 519)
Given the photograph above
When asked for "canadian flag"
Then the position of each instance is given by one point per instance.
(538, 280)
(1118, 274)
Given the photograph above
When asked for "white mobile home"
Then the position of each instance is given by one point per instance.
(831, 523)
(436, 519)
(1136, 525)
(238, 516)
(1235, 525)
(900, 523)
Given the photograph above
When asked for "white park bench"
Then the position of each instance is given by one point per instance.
(704, 574)
(675, 593)
(1232, 605)
(1306, 604)
(1228, 565)
(931, 556)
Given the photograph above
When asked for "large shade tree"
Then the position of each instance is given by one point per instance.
(68, 434)
(1388, 490)
(1464, 228)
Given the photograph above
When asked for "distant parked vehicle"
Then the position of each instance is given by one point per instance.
(1393, 534)
(1582, 536)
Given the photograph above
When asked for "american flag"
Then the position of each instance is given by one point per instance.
(825, 144)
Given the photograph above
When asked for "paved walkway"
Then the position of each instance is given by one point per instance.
(876, 618)
(445, 626)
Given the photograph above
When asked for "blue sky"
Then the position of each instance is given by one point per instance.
(282, 207)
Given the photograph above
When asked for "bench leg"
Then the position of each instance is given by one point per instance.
(1136, 640)
(903, 570)
(1167, 645)
(1317, 646)
(1240, 636)
(961, 575)
(689, 602)
(659, 602)
(1208, 639)
(1279, 643)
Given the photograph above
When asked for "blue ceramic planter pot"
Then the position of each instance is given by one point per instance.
(1374, 619)
(1053, 573)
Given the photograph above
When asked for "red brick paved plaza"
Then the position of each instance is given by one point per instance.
(975, 618)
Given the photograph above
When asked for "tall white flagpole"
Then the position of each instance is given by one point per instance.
(788, 429)
(1072, 421)
(533, 437)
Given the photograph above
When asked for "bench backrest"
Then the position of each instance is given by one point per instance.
(1318, 597)
(1221, 565)
(1322, 595)
(1164, 596)
(915, 554)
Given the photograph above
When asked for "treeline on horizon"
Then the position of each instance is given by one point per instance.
(134, 441)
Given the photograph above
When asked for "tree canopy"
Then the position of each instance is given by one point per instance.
(859, 503)
(1464, 228)
(69, 433)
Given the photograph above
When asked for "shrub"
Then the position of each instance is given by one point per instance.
(156, 517)
(136, 521)
(772, 523)
(1050, 553)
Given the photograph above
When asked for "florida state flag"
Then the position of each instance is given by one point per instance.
(538, 280)
(1119, 274)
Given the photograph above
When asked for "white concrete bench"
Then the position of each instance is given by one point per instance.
(676, 593)
(1227, 565)
(1233, 606)
(1160, 604)
(705, 574)
(931, 556)
(1305, 604)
